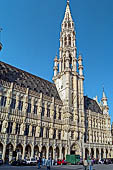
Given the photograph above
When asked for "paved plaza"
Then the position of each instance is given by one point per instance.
(68, 167)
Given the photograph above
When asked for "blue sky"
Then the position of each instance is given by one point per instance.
(31, 31)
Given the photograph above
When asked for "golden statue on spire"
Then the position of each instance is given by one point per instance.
(67, 1)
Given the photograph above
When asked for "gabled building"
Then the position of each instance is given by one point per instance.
(40, 118)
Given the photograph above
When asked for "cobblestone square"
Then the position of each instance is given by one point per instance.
(68, 167)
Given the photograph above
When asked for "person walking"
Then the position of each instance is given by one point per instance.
(85, 164)
(48, 164)
(90, 164)
(39, 164)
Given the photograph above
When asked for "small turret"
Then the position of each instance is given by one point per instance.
(80, 65)
(105, 104)
(55, 66)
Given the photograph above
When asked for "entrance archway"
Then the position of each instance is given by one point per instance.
(36, 151)
(102, 153)
(44, 151)
(51, 152)
(106, 153)
(92, 153)
(28, 151)
(9, 152)
(97, 153)
(63, 153)
(57, 153)
(86, 153)
(19, 150)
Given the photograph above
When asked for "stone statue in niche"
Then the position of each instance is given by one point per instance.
(22, 129)
(4, 126)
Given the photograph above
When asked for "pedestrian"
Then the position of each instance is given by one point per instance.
(39, 164)
(90, 164)
(85, 164)
(48, 164)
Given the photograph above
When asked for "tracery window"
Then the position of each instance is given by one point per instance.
(48, 112)
(20, 106)
(43, 110)
(29, 108)
(13, 103)
(3, 101)
(9, 129)
(35, 109)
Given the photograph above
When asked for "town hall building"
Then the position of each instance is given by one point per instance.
(40, 118)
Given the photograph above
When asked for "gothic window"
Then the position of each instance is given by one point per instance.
(41, 132)
(35, 109)
(54, 135)
(69, 24)
(3, 101)
(59, 115)
(47, 133)
(65, 41)
(27, 130)
(33, 130)
(29, 108)
(9, 129)
(13, 103)
(55, 113)
(1, 125)
(17, 128)
(65, 25)
(59, 134)
(43, 110)
(48, 112)
(70, 64)
(69, 40)
(20, 105)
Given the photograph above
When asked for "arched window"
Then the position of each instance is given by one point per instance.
(69, 40)
(65, 41)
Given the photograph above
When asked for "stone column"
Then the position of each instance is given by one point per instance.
(44, 132)
(32, 104)
(57, 112)
(23, 154)
(17, 100)
(83, 153)
(52, 108)
(4, 151)
(47, 152)
(45, 109)
(32, 151)
(40, 105)
(104, 153)
(94, 152)
(60, 152)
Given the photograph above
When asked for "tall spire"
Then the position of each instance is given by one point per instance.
(67, 16)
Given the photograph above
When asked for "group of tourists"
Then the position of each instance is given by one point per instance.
(44, 162)
(88, 162)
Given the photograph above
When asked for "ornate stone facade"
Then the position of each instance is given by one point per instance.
(39, 118)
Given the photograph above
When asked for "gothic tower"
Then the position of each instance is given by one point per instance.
(67, 77)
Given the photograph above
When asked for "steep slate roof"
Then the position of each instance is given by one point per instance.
(90, 104)
(24, 79)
